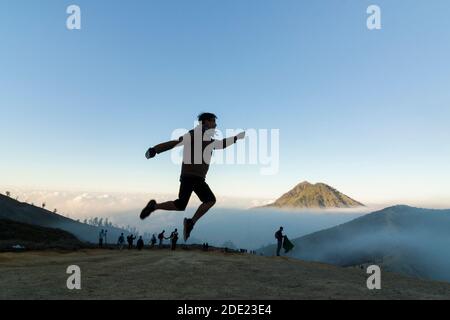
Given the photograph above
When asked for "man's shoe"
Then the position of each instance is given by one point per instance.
(188, 226)
(151, 206)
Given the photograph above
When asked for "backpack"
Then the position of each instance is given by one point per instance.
(278, 235)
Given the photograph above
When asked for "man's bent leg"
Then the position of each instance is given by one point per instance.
(204, 207)
(207, 198)
(188, 224)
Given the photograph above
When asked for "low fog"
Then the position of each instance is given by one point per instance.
(401, 239)
(419, 254)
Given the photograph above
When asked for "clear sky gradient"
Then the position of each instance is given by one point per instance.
(367, 112)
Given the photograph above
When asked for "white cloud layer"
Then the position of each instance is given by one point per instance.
(80, 205)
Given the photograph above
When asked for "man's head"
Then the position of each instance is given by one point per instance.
(207, 119)
(281, 228)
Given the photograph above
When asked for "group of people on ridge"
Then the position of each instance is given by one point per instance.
(282, 241)
(130, 241)
(140, 243)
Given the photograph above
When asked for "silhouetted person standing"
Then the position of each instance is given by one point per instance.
(100, 238)
(161, 239)
(140, 244)
(279, 237)
(174, 239)
(121, 241)
(130, 240)
(198, 148)
(153, 241)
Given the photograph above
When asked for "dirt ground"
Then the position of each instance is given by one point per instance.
(194, 274)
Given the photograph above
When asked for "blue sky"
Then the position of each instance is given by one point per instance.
(364, 111)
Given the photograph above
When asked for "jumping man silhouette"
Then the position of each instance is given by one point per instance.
(198, 148)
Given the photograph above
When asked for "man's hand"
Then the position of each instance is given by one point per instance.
(151, 153)
(241, 135)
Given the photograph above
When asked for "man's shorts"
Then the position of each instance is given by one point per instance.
(189, 184)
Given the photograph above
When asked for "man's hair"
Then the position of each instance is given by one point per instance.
(206, 116)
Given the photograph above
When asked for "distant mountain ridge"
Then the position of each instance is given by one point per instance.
(34, 237)
(14, 210)
(314, 196)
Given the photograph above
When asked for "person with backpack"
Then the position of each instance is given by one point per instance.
(173, 239)
(161, 238)
(279, 237)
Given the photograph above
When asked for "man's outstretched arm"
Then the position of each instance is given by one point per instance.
(222, 144)
(162, 147)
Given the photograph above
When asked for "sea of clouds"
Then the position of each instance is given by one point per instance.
(232, 219)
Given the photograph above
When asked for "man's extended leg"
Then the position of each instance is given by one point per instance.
(184, 194)
(169, 206)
